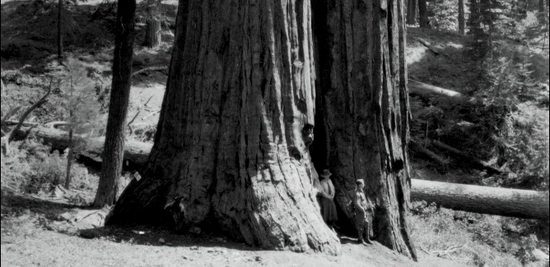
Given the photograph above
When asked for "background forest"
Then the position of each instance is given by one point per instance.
(493, 54)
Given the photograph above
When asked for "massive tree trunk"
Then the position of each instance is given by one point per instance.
(365, 109)
(113, 152)
(411, 12)
(229, 148)
(482, 199)
(461, 21)
(152, 25)
(423, 13)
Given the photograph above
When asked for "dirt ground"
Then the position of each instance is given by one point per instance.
(41, 230)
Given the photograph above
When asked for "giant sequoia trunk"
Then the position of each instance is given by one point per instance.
(364, 109)
(229, 148)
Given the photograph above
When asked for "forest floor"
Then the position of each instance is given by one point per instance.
(54, 227)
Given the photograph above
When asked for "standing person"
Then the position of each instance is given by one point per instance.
(363, 213)
(328, 208)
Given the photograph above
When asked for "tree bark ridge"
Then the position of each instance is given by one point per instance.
(229, 142)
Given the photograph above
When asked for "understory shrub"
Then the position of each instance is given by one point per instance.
(470, 238)
(31, 168)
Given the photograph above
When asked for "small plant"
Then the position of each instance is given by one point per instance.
(460, 236)
(14, 167)
(81, 105)
(528, 245)
(45, 173)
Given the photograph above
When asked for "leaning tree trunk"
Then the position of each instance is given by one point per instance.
(113, 152)
(423, 13)
(229, 147)
(152, 25)
(411, 12)
(365, 106)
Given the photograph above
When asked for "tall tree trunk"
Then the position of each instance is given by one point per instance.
(69, 159)
(229, 151)
(474, 18)
(153, 27)
(59, 30)
(461, 21)
(423, 13)
(113, 152)
(365, 108)
(411, 12)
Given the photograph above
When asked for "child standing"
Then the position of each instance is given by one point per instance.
(363, 213)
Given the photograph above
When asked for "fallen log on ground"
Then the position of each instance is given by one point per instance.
(416, 87)
(483, 199)
(476, 163)
(415, 146)
(134, 152)
(480, 199)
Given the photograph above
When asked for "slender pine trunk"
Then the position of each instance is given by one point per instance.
(59, 30)
(113, 152)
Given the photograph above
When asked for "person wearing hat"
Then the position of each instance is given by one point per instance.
(328, 208)
(363, 213)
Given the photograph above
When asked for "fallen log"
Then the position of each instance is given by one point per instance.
(416, 147)
(476, 163)
(480, 199)
(416, 87)
(134, 152)
(483, 199)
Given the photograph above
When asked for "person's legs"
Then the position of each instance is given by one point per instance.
(367, 233)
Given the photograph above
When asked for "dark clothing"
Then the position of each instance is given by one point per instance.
(328, 209)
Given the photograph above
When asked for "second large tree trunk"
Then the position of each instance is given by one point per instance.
(229, 148)
(365, 110)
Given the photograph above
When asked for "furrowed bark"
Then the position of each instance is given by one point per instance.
(118, 105)
(366, 110)
(229, 145)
